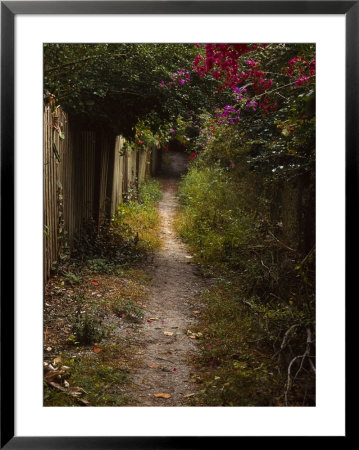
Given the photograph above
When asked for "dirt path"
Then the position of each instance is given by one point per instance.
(169, 310)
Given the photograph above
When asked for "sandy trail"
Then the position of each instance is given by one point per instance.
(169, 309)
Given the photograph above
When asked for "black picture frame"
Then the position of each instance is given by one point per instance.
(9, 9)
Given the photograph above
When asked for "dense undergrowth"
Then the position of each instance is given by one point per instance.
(258, 322)
(93, 302)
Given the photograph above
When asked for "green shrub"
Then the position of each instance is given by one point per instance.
(261, 313)
(87, 330)
(138, 221)
(213, 219)
(150, 192)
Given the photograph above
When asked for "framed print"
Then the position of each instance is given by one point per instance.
(174, 189)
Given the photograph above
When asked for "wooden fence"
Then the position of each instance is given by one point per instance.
(87, 174)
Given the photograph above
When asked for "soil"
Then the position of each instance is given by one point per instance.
(166, 348)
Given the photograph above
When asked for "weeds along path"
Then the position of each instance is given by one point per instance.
(166, 348)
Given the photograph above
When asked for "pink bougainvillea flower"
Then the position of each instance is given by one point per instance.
(166, 148)
(162, 321)
(213, 362)
(193, 156)
(209, 346)
(172, 130)
(128, 331)
(149, 321)
(174, 369)
(233, 165)
(301, 80)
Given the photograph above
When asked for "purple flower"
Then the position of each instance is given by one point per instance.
(172, 130)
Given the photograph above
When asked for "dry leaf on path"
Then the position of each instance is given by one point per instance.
(153, 366)
(188, 395)
(97, 349)
(162, 395)
(57, 360)
(95, 283)
(168, 333)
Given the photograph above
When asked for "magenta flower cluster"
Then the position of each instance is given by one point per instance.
(179, 78)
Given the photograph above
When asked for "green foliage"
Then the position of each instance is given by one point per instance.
(124, 239)
(150, 192)
(258, 316)
(87, 330)
(214, 219)
(120, 83)
(104, 266)
(102, 377)
(137, 221)
(242, 362)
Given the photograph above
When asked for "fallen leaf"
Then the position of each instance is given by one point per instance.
(168, 333)
(162, 395)
(188, 395)
(152, 366)
(192, 336)
(75, 391)
(49, 349)
(56, 386)
(57, 360)
(53, 375)
(95, 283)
(153, 318)
(196, 312)
(97, 349)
